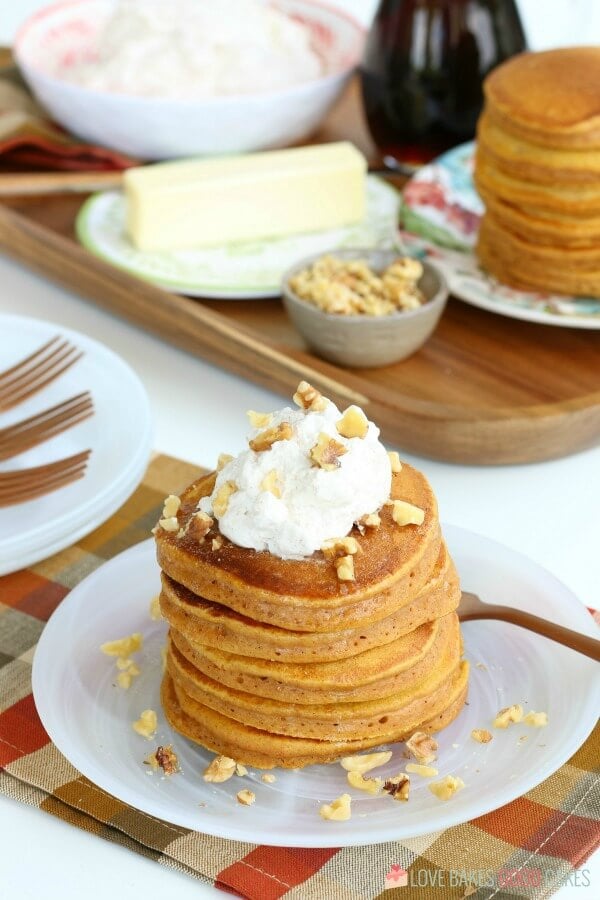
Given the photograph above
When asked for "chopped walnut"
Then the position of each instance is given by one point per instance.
(266, 439)
(364, 762)
(353, 424)
(326, 452)
(351, 287)
(240, 769)
(370, 785)
(447, 787)
(127, 665)
(536, 719)
(200, 524)
(217, 542)
(345, 568)
(336, 547)
(164, 758)
(422, 746)
(338, 810)
(259, 420)
(508, 716)
(398, 787)
(171, 524)
(481, 735)
(406, 268)
(222, 768)
(123, 646)
(372, 520)
(308, 397)
(404, 513)
(272, 483)
(395, 463)
(221, 501)
(223, 460)
(424, 771)
(146, 724)
(171, 506)
(268, 778)
(124, 680)
(246, 797)
(155, 613)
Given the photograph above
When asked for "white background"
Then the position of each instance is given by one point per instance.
(548, 511)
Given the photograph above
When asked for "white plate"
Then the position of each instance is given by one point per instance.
(442, 207)
(119, 435)
(237, 271)
(89, 719)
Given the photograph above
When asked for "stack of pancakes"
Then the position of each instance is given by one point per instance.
(276, 662)
(537, 170)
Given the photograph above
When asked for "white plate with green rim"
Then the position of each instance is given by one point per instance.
(441, 211)
(236, 271)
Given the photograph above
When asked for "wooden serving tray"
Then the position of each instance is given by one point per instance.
(484, 389)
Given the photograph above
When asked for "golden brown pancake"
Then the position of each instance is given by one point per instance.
(265, 750)
(581, 200)
(549, 98)
(533, 162)
(305, 595)
(212, 625)
(376, 673)
(533, 266)
(540, 227)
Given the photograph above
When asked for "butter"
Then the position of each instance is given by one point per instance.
(206, 202)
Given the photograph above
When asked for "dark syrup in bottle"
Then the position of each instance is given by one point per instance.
(423, 68)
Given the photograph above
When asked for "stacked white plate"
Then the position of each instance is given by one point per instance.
(119, 434)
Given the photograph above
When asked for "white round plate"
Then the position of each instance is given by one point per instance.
(89, 718)
(119, 435)
(441, 211)
(236, 271)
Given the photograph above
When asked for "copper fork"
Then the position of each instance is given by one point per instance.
(25, 484)
(472, 607)
(15, 439)
(33, 373)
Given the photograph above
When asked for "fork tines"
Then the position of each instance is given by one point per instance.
(30, 432)
(25, 484)
(36, 371)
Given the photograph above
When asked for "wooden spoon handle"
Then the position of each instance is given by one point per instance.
(589, 646)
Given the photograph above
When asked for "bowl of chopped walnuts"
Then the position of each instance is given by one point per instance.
(364, 308)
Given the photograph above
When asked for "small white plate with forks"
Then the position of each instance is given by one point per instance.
(119, 435)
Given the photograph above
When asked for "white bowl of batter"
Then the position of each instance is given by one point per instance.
(191, 77)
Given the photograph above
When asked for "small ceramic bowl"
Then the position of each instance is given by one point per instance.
(362, 341)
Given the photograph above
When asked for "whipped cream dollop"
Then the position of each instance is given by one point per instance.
(315, 504)
(192, 49)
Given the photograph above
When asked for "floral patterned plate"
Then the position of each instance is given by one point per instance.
(237, 271)
(441, 212)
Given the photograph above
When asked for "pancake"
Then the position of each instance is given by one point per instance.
(376, 673)
(540, 227)
(209, 624)
(391, 568)
(573, 199)
(265, 749)
(534, 266)
(533, 162)
(325, 721)
(549, 98)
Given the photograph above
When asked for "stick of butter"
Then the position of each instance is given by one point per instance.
(205, 202)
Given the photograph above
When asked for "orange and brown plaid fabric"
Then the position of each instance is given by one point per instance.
(526, 849)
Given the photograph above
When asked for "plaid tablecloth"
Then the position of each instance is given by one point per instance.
(526, 849)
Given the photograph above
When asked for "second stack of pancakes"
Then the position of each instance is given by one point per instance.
(538, 172)
(275, 662)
